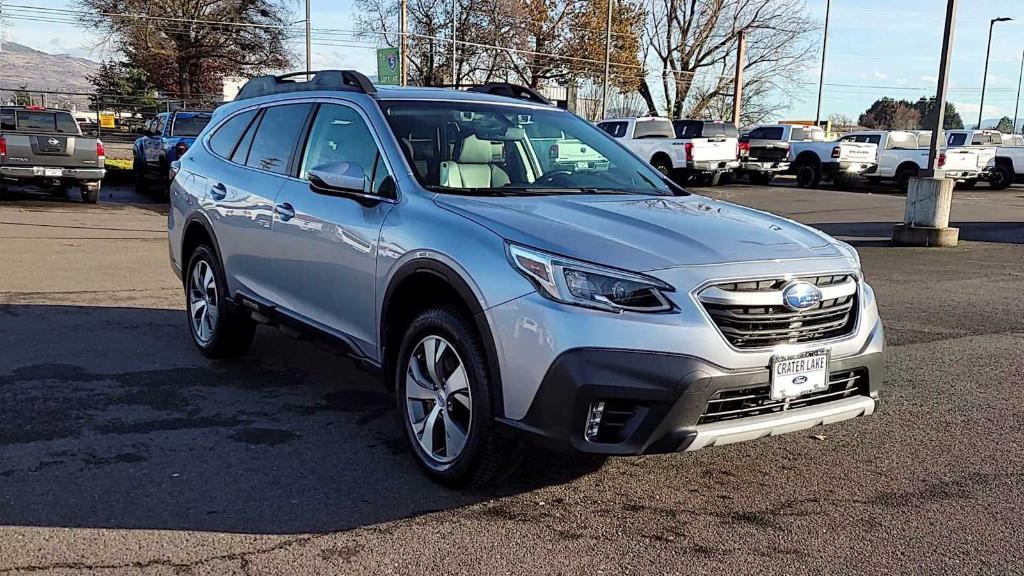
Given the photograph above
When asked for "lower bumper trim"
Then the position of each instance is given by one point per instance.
(741, 430)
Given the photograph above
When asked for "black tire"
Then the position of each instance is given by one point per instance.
(91, 193)
(808, 175)
(903, 178)
(486, 456)
(967, 184)
(139, 172)
(232, 331)
(1001, 177)
(761, 178)
(726, 178)
(662, 165)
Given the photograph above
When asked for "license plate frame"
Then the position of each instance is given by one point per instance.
(795, 375)
(53, 172)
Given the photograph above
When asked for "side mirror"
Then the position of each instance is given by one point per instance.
(338, 177)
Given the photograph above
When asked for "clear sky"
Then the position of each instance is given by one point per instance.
(876, 48)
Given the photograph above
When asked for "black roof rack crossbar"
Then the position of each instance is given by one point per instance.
(338, 80)
(510, 91)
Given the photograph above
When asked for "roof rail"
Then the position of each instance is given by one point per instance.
(511, 91)
(338, 80)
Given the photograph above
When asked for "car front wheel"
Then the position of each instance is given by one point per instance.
(445, 398)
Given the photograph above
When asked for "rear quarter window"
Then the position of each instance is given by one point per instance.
(688, 129)
(766, 133)
(189, 126)
(615, 129)
(224, 140)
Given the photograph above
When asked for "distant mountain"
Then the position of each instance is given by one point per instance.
(39, 71)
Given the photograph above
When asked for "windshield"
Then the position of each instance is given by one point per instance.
(484, 148)
(189, 125)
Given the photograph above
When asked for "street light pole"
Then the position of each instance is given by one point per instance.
(824, 48)
(607, 62)
(455, 66)
(1016, 107)
(940, 92)
(309, 41)
(984, 78)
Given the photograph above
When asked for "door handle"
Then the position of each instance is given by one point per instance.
(218, 191)
(285, 211)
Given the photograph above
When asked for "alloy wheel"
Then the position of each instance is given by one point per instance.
(203, 301)
(438, 399)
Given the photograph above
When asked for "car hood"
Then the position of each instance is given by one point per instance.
(643, 233)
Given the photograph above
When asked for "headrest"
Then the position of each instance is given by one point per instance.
(472, 150)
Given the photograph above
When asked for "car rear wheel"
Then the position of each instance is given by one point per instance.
(444, 394)
(903, 178)
(1001, 177)
(219, 329)
(662, 165)
(808, 175)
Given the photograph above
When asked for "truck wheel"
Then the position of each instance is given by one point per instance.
(903, 178)
(808, 175)
(219, 329)
(444, 397)
(139, 172)
(761, 178)
(91, 193)
(662, 165)
(1001, 177)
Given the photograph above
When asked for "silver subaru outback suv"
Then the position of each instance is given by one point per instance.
(514, 275)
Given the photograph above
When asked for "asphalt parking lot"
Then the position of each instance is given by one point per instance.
(122, 450)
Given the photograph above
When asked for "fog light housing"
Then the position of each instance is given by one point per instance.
(594, 420)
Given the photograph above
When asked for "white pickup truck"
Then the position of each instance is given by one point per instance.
(764, 150)
(682, 148)
(840, 162)
(901, 156)
(1007, 167)
(983, 142)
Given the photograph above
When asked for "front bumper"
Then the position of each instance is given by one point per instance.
(764, 167)
(40, 173)
(659, 400)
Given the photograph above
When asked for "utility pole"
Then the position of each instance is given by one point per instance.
(741, 57)
(607, 62)
(403, 50)
(824, 49)
(455, 66)
(984, 78)
(309, 40)
(1016, 107)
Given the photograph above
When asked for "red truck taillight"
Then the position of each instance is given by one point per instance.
(3, 146)
(836, 152)
(942, 159)
(100, 152)
(689, 151)
(743, 149)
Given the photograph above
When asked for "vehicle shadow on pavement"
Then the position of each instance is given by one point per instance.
(1003, 232)
(109, 418)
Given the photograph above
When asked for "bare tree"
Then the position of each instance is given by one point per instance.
(693, 46)
(839, 120)
(188, 46)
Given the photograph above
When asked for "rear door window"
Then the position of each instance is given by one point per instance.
(277, 137)
(616, 129)
(189, 126)
(766, 133)
(225, 139)
(688, 128)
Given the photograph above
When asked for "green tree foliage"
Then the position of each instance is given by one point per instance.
(1005, 125)
(121, 87)
(187, 47)
(890, 114)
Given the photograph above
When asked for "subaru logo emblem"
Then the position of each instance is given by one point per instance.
(800, 295)
(53, 141)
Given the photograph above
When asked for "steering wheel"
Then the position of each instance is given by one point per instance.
(552, 177)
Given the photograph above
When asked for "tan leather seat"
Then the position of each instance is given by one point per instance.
(474, 166)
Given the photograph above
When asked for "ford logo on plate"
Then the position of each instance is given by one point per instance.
(799, 379)
(800, 295)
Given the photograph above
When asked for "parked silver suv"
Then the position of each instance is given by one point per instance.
(592, 307)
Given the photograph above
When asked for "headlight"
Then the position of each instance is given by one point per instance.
(582, 284)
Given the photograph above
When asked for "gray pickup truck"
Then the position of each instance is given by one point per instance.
(45, 147)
